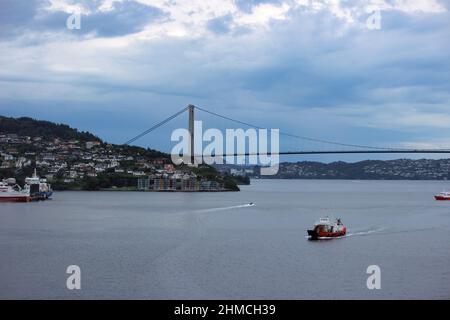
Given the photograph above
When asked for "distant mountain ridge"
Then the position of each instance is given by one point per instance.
(26, 126)
(400, 169)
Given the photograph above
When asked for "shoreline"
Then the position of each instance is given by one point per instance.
(135, 190)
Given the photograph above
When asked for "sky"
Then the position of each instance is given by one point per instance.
(318, 68)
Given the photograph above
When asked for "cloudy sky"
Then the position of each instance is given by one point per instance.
(315, 68)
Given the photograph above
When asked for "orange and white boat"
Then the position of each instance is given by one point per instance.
(444, 195)
(12, 192)
(327, 229)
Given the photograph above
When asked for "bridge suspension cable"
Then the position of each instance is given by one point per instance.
(159, 124)
(372, 149)
(298, 136)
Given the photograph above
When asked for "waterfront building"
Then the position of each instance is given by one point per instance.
(186, 183)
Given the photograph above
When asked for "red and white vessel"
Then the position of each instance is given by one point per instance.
(444, 195)
(12, 192)
(327, 229)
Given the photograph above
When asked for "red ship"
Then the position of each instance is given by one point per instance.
(445, 195)
(11, 192)
(326, 229)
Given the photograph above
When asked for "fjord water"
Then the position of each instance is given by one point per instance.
(132, 245)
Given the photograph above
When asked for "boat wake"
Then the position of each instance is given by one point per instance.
(352, 234)
(364, 233)
(226, 208)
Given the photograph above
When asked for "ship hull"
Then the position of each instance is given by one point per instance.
(441, 198)
(15, 199)
(48, 194)
(314, 235)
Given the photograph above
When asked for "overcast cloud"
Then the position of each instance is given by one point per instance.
(310, 67)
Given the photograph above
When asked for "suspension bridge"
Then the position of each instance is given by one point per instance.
(357, 149)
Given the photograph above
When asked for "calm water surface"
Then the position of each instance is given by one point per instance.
(133, 245)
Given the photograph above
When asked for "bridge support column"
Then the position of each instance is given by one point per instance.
(191, 134)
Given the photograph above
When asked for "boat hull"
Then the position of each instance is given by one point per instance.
(48, 194)
(40, 196)
(441, 198)
(314, 235)
(15, 199)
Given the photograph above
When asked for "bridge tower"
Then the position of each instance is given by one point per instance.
(191, 134)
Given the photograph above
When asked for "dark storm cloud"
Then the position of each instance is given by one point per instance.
(18, 17)
(15, 14)
(126, 18)
(220, 25)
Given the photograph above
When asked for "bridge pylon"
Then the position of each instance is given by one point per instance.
(191, 109)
